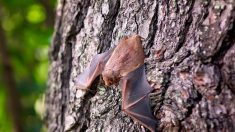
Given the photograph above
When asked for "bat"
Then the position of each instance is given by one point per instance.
(124, 64)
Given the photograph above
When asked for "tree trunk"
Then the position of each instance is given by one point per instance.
(190, 49)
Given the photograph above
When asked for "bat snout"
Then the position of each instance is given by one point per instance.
(108, 81)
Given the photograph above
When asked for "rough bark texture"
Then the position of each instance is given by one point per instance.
(190, 49)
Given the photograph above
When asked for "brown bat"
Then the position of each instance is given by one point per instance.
(125, 63)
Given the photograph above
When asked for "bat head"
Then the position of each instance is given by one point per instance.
(126, 57)
(110, 77)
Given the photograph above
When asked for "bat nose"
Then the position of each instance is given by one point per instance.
(107, 83)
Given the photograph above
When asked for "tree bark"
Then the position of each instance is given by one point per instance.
(190, 59)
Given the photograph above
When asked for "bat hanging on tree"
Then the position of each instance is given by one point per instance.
(125, 64)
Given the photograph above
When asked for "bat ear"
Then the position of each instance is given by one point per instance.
(85, 79)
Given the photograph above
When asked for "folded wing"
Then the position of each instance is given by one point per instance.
(95, 68)
(136, 103)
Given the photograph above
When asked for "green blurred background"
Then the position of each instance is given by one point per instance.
(26, 28)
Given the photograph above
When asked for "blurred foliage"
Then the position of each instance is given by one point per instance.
(28, 31)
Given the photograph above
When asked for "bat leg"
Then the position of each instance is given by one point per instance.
(85, 79)
(136, 102)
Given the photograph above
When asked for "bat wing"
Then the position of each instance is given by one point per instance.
(85, 79)
(136, 103)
